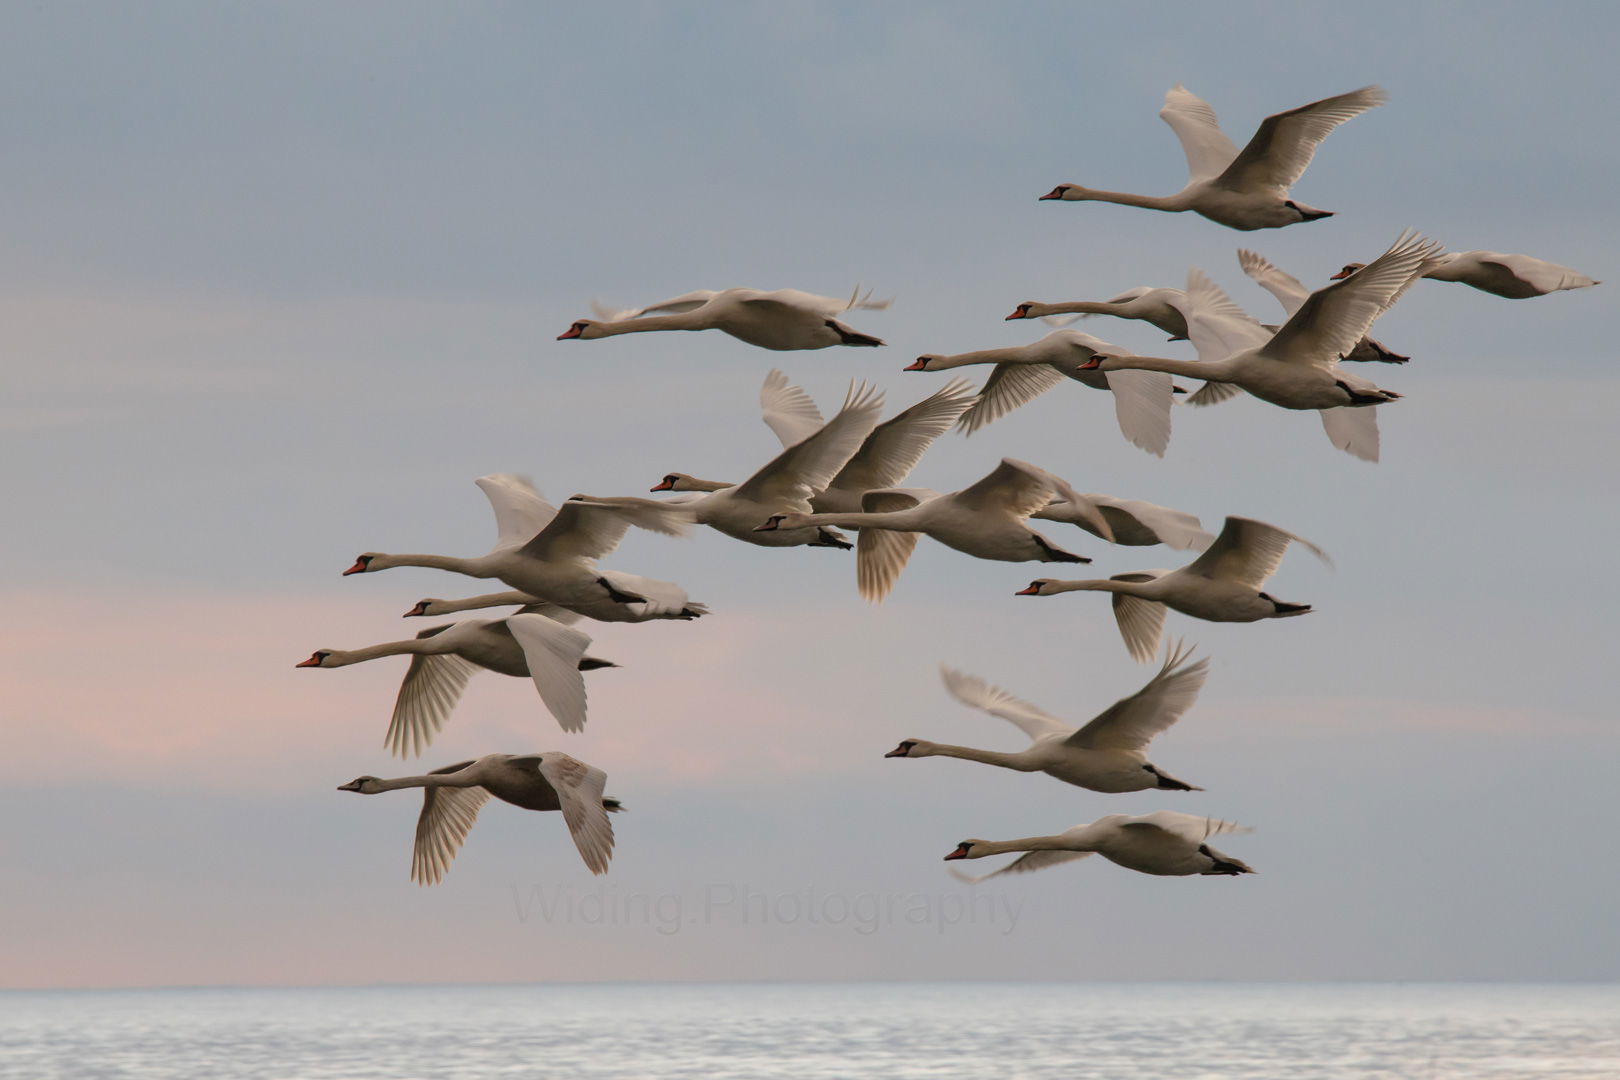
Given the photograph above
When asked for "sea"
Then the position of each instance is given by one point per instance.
(897, 1031)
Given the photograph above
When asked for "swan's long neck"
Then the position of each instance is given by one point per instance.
(1010, 354)
(455, 779)
(455, 564)
(1209, 371)
(1129, 588)
(1028, 843)
(345, 657)
(685, 320)
(1171, 203)
(487, 600)
(692, 483)
(969, 753)
(1074, 307)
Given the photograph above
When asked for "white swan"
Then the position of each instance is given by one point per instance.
(538, 646)
(788, 482)
(1297, 367)
(551, 554)
(1131, 522)
(1291, 293)
(985, 520)
(1023, 372)
(1159, 307)
(1514, 277)
(1108, 754)
(455, 794)
(1221, 585)
(1164, 843)
(662, 599)
(1245, 189)
(783, 319)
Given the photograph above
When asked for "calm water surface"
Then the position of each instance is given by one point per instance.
(972, 1031)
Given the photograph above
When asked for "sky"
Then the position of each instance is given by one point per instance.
(279, 281)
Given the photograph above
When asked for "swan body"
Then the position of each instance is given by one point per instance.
(1222, 585)
(1245, 189)
(455, 794)
(1165, 843)
(1023, 372)
(1109, 754)
(1297, 367)
(1513, 277)
(785, 319)
(443, 658)
(550, 554)
(662, 598)
(1159, 307)
(1291, 293)
(985, 520)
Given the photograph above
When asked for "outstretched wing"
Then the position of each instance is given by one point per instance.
(880, 554)
(591, 529)
(1189, 827)
(804, 470)
(675, 305)
(579, 789)
(1014, 487)
(788, 410)
(1008, 387)
(433, 684)
(895, 446)
(1132, 722)
(973, 691)
(1355, 431)
(520, 512)
(1539, 274)
(1288, 289)
(553, 652)
(1140, 621)
(447, 815)
(1284, 144)
(1248, 552)
(1207, 148)
(1142, 401)
(1030, 860)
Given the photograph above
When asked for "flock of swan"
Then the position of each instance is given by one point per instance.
(845, 474)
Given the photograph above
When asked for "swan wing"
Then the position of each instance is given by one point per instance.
(895, 446)
(1014, 488)
(591, 529)
(1355, 431)
(804, 470)
(447, 816)
(1216, 326)
(661, 597)
(579, 789)
(1132, 722)
(1207, 148)
(1333, 318)
(1140, 621)
(1213, 393)
(788, 410)
(1009, 386)
(553, 652)
(1030, 860)
(1288, 289)
(1539, 274)
(1248, 552)
(673, 306)
(1174, 528)
(974, 692)
(1189, 827)
(520, 512)
(1279, 151)
(1142, 401)
(433, 684)
(829, 306)
(881, 554)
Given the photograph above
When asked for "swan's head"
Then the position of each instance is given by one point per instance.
(1065, 192)
(364, 785)
(964, 850)
(677, 481)
(1037, 587)
(907, 748)
(365, 564)
(581, 328)
(424, 607)
(1349, 268)
(1020, 312)
(319, 658)
(1100, 362)
(926, 362)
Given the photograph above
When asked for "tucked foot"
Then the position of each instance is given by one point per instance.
(847, 336)
(619, 597)
(830, 538)
(1054, 554)
(1170, 783)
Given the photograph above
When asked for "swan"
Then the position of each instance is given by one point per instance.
(1245, 189)
(663, 600)
(443, 658)
(1131, 522)
(455, 794)
(1165, 843)
(1297, 367)
(781, 320)
(1514, 277)
(1160, 307)
(550, 554)
(1023, 372)
(1109, 754)
(1291, 293)
(985, 520)
(1221, 585)
(788, 482)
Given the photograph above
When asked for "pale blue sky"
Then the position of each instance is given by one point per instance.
(280, 281)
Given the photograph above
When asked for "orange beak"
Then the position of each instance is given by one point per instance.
(313, 661)
(1033, 590)
(571, 332)
(663, 485)
(359, 567)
